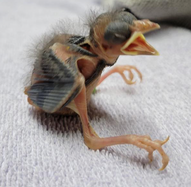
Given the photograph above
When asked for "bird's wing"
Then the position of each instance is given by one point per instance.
(56, 80)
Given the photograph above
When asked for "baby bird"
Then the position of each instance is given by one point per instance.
(69, 67)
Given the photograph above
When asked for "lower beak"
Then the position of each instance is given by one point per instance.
(137, 45)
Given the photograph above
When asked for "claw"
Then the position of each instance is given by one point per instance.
(138, 72)
(162, 142)
(121, 69)
(130, 73)
(165, 140)
(165, 158)
(126, 80)
(165, 161)
(146, 143)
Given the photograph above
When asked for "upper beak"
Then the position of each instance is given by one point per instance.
(137, 44)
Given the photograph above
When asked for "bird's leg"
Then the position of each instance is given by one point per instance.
(81, 105)
(120, 69)
(93, 141)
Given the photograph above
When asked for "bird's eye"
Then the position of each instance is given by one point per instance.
(117, 32)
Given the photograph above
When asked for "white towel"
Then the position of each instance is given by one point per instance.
(42, 150)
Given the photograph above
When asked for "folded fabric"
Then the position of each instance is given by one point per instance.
(176, 12)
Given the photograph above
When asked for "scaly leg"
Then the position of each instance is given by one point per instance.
(93, 141)
(120, 69)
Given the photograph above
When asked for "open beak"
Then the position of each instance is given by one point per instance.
(137, 44)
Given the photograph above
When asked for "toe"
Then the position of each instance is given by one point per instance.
(162, 142)
(165, 161)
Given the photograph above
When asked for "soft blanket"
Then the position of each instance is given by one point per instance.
(37, 149)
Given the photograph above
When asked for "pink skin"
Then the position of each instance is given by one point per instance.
(93, 141)
(120, 69)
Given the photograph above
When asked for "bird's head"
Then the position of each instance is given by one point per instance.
(120, 33)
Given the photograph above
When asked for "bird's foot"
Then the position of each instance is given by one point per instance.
(122, 68)
(149, 145)
(143, 142)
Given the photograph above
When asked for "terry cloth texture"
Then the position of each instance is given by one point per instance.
(42, 150)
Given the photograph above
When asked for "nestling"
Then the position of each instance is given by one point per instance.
(69, 67)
